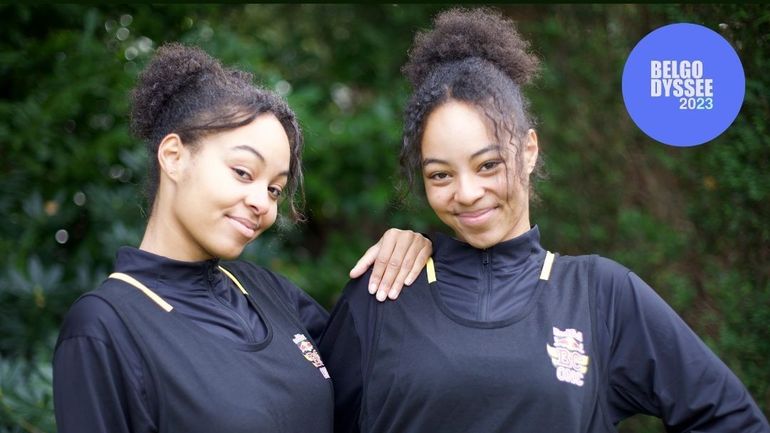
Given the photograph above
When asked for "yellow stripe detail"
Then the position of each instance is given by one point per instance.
(431, 270)
(150, 294)
(232, 277)
(546, 272)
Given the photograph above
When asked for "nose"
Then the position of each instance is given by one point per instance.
(468, 190)
(258, 199)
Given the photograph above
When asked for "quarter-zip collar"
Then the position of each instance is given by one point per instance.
(198, 291)
(163, 273)
(487, 284)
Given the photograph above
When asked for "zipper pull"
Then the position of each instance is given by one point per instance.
(485, 258)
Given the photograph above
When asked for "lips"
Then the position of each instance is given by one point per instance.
(244, 226)
(475, 217)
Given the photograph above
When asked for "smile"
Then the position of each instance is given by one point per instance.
(476, 217)
(244, 226)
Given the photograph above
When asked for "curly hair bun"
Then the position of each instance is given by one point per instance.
(460, 33)
(173, 68)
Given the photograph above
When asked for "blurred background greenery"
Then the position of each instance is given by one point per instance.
(693, 222)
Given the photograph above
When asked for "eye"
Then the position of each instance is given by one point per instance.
(490, 165)
(440, 175)
(241, 173)
(275, 191)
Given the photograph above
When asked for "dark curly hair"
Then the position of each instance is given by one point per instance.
(186, 91)
(477, 57)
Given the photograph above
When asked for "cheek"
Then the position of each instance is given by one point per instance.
(505, 184)
(270, 217)
(437, 197)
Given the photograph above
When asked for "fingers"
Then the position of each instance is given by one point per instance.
(424, 253)
(365, 261)
(396, 259)
(410, 267)
(387, 266)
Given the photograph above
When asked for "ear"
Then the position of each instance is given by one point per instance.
(530, 151)
(172, 156)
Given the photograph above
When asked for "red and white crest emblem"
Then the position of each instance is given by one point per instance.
(309, 352)
(568, 356)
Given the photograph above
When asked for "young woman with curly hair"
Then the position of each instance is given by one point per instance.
(182, 338)
(499, 334)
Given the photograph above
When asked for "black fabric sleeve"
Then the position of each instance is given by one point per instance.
(345, 347)
(657, 365)
(98, 379)
(312, 315)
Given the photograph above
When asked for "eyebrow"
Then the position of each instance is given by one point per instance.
(258, 155)
(250, 149)
(486, 149)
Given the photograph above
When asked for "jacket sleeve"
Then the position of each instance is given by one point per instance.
(312, 315)
(345, 349)
(658, 365)
(96, 379)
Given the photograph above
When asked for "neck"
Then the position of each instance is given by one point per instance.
(164, 238)
(152, 241)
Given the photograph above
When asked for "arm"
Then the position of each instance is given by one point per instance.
(312, 315)
(95, 389)
(344, 348)
(398, 258)
(657, 365)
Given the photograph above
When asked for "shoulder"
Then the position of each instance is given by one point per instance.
(625, 301)
(605, 273)
(602, 266)
(606, 267)
(356, 292)
(357, 299)
(618, 286)
(89, 316)
(610, 284)
(353, 315)
(355, 303)
(92, 316)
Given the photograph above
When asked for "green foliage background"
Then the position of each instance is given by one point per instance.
(692, 222)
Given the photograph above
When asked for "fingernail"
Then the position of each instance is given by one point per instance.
(393, 295)
(381, 296)
(372, 288)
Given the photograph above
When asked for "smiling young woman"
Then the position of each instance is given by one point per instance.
(467, 178)
(499, 334)
(182, 337)
(224, 193)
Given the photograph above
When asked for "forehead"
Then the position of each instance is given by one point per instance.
(454, 129)
(263, 138)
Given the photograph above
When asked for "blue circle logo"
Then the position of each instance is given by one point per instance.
(683, 85)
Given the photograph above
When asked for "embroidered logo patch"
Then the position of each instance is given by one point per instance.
(309, 352)
(568, 355)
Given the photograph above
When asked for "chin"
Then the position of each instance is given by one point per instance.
(230, 253)
(481, 245)
(482, 240)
